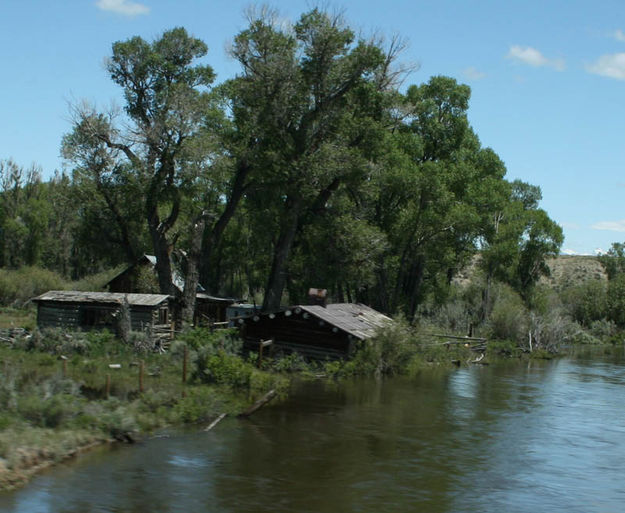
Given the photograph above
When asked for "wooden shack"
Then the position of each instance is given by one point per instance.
(98, 310)
(141, 278)
(315, 331)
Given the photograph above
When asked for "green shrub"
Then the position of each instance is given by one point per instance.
(199, 404)
(48, 412)
(221, 368)
(387, 353)
(616, 300)
(18, 286)
(293, 362)
(508, 319)
(586, 302)
(218, 340)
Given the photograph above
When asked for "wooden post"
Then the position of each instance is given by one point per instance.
(261, 346)
(64, 369)
(141, 368)
(185, 358)
(107, 390)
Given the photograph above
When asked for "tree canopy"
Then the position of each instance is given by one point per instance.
(312, 167)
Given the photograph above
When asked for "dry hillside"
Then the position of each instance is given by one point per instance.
(565, 270)
(570, 269)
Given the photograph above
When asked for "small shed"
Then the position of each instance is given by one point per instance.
(141, 278)
(315, 331)
(97, 310)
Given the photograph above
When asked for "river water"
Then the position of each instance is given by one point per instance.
(517, 437)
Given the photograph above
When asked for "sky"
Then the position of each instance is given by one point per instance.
(547, 80)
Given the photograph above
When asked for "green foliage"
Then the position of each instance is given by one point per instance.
(385, 354)
(293, 362)
(222, 368)
(614, 260)
(509, 317)
(226, 340)
(586, 302)
(616, 300)
(18, 286)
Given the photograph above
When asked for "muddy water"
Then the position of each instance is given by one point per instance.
(543, 436)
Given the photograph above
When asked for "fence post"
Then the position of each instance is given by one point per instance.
(261, 346)
(107, 390)
(141, 367)
(185, 359)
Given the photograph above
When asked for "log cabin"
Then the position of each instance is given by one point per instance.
(315, 331)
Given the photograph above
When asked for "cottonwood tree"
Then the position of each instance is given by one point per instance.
(168, 111)
(430, 194)
(306, 99)
(521, 239)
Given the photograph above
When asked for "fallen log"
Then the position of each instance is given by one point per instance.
(215, 422)
(259, 404)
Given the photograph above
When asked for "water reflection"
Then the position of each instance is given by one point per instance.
(543, 436)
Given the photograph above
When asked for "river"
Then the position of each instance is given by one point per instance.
(516, 437)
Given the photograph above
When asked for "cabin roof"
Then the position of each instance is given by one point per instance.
(355, 319)
(73, 296)
(176, 278)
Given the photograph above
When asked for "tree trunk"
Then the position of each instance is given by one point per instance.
(162, 251)
(187, 308)
(212, 234)
(277, 276)
(417, 280)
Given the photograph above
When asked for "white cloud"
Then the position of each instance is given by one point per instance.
(569, 252)
(124, 7)
(612, 226)
(570, 226)
(619, 35)
(473, 73)
(612, 66)
(533, 57)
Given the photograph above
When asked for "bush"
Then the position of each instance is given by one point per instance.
(616, 300)
(552, 329)
(387, 353)
(222, 368)
(219, 340)
(17, 287)
(508, 319)
(586, 302)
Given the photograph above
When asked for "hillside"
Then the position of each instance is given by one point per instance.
(570, 269)
(565, 270)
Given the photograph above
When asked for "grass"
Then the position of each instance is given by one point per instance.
(59, 393)
(17, 318)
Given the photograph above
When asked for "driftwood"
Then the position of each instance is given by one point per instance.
(259, 404)
(215, 422)
(479, 360)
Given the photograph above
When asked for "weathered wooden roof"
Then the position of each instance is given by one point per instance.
(176, 278)
(356, 319)
(73, 296)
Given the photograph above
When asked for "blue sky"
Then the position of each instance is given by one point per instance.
(547, 80)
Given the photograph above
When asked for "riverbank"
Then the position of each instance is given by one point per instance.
(65, 392)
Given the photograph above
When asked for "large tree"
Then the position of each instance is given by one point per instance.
(162, 145)
(306, 98)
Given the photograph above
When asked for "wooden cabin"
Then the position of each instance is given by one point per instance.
(141, 278)
(98, 310)
(315, 331)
